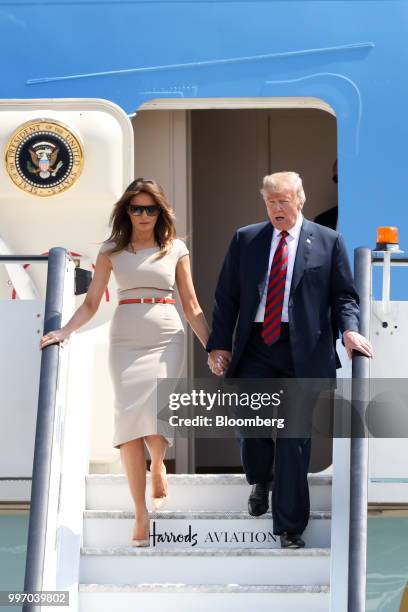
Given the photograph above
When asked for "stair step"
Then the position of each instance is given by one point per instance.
(193, 492)
(209, 566)
(205, 528)
(202, 597)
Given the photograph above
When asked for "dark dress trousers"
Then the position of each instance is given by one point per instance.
(322, 294)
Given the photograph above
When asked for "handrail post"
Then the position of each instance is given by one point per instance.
(359, 444)
(37, 526)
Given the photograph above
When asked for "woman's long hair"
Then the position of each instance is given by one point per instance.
(164, 229)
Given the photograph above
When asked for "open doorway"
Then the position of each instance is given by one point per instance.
(211, 162)
(231, 151)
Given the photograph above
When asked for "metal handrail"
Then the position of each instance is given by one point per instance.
(23, 258)
(359, 445)
(50, 359)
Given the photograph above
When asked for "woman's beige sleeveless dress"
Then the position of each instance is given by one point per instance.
(146, 341)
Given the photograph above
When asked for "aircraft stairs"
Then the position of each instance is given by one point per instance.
(207, 552)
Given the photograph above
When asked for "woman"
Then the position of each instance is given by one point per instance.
(146, 338)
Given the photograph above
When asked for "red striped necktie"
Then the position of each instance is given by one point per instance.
(276, 292)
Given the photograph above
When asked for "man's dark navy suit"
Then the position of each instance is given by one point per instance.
(322, 293)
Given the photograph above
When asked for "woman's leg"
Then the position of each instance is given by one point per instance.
(157, 446)
(134, 462)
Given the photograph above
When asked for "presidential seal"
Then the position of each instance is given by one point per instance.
(44, 157)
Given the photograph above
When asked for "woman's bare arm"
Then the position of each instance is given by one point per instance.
(191, 308)
(89, 306)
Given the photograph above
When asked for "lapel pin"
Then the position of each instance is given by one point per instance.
(308, 241)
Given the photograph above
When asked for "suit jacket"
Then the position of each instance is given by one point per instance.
(322, 292)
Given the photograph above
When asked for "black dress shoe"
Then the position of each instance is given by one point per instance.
(291, 540)
(258, 501)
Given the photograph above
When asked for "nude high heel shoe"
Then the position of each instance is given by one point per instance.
(158, 502)
(139, 543)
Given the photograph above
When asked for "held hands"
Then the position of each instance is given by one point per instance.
(353, 341)
(56, 336)
(218, 361)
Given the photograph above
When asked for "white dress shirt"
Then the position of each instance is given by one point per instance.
(292, 240)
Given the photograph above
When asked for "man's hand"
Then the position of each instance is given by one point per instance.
(355, 341)
(218, 361)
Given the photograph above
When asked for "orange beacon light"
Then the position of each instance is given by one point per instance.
(387, 239)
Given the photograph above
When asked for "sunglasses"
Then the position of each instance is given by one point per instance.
(137, 209)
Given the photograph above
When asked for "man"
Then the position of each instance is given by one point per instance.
(283, 280)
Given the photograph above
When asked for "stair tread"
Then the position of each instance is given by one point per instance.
(17, 479)
(207, 552)
(202, 588)
(193, 514)
(198, 479)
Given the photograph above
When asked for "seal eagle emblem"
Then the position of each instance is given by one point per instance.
(44, 157)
